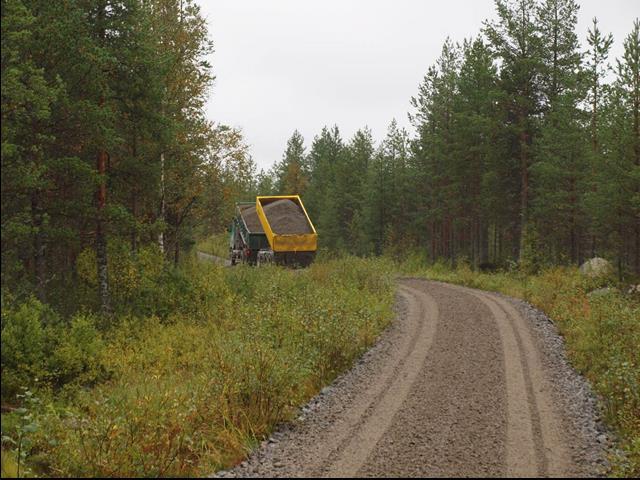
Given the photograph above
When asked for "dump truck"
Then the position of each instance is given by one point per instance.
(274, 229)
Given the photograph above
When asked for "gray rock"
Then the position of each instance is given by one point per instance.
(600, 292)
(597, 268)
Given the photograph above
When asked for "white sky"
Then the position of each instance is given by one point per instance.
(287, 64)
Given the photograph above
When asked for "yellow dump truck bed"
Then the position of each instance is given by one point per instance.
(304, 240)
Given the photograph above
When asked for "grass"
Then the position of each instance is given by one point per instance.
(195, 390)
(9, 465)
(205, 361)
(601, 331)
(217, 245)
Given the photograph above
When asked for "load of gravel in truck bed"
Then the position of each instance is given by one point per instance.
(286, 217)
(250, 216)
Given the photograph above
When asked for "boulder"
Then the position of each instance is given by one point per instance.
(601, 292)
(597, 267)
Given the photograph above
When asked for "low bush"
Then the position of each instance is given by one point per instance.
(194, 389)
(39, 349)
(217, 245)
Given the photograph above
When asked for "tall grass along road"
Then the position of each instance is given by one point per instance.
(461, 384)
(196, 367)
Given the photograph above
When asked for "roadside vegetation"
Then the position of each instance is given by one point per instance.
(600, 322)
(122, 356)
(217, 244)
(189, 377)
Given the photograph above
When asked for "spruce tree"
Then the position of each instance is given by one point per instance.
(327, 152)
(477, 150)
(28, 97)
(292, 170)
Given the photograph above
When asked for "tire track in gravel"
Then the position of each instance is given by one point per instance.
(455, 387)
(351, 432)
(523, 452)
(353, 451)
(550, 445)
(453, 422)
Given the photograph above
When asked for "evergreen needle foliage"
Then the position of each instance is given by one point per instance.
(525, 153)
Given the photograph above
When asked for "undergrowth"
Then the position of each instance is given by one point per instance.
(217, 244)
(198, 364)
(193, 387)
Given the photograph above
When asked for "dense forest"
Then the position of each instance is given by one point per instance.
(125, 356)
(105, 145)
(526, 150)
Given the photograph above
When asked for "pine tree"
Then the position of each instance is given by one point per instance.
(558, 170)
(627, 158)
(434, 120)
(516, 41)
(596, 68)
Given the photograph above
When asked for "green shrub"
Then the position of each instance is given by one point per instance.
(134, 278)
(77, 355)
(39, 349)
(23, 346)
(228, 354)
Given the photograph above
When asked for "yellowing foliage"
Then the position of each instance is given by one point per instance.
(194, 390)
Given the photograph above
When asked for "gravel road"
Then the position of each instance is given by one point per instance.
(463, 383)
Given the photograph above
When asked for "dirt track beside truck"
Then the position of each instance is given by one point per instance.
(464, 383)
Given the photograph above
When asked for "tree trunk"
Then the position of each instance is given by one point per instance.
(524, 188)
(162, 203)
(39, 247)
(636, 149)
(101, 239)
(176, 249)
(134, 213)
(484, 246)
(101, 200)
(433, 241)
(134, 198)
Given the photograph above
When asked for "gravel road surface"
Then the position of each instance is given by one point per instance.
(463, 383)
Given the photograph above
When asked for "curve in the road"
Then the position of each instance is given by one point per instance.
(456, 387)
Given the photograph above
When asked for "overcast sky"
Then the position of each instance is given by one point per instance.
(282, 65)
